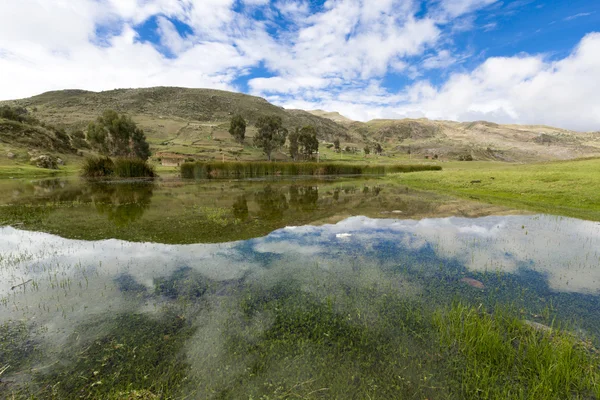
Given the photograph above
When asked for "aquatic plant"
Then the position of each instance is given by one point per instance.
(97, 167)
(133, 168)
(210, 170)
(104, 167)
(183, 282)
(139, 353)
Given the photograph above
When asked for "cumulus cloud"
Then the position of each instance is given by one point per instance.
(334, 56)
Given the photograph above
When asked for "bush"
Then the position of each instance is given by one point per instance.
(102, 167)
(133, 168)
(98, 167)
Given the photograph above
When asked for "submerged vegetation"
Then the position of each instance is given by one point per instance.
(203, 170)
(105, 167)
(139, 353)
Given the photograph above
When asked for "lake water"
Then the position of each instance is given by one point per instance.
(266, 289)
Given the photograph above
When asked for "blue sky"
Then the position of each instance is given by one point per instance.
(521, 61)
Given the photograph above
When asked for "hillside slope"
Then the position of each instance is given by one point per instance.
(194, 123)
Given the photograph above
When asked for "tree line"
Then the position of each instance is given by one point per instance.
(272, 135)
(302, 142)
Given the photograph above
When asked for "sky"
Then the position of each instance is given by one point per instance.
(519, 61)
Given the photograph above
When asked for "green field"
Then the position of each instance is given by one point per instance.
(569, 188)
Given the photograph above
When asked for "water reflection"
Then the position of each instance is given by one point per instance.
(272, 203)
(533, 262)
(196, 212)
(121, 203)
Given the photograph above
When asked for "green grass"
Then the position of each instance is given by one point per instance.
(569, 188)
(498, 356)
(30, 171)
(133, 168)
(139, 353)
(202, 170)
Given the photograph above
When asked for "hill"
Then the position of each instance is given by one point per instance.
(193, 123)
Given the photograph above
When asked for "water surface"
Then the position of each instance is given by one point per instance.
(311, 289)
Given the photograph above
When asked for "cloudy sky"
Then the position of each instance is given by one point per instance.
(525, 61)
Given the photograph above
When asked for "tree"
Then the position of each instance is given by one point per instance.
(336, 145)
(378, 149)
(237, 128)
(293, 139)
(309, 144)
(271, 134)
(140, 146)
(118, 135)
(367, 150)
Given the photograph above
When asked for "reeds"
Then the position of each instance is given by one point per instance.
(104, 167)
(133, 168)
(98, 167)
(209, 170)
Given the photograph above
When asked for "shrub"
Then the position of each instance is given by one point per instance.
(102, 167)
(98, 167)
(133, 168)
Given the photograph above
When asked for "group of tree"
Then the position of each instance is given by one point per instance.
(375, 148)
(117, 135)
(271, 135)
(303, 143)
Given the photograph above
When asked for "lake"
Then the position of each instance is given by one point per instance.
(266, 289)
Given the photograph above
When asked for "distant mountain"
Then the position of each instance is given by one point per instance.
(194, 123)
(332, 115)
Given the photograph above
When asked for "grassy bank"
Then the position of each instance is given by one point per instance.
(30, 171)
(203, 170)
(569, 188)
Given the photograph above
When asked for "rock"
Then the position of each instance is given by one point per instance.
(44, 161)
(397, 212)
(10, 155)
(59, 161)
(473, 282)
(537, 326)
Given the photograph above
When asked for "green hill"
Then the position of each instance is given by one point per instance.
(193, 123)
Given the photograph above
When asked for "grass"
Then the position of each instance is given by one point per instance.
(498, 356)
(287, 343)
(139, 354)
(202, 170)
(133, 168)
(569, 188)
(18, 171)
(98, 167)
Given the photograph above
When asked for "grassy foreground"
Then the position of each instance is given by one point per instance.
(569, 188)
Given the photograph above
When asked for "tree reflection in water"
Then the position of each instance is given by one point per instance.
(122, 203)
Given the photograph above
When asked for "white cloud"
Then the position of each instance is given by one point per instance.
(454, 8)
(525, 90)
(442, 59)
(333, 58)
(572, 17)
(170, 37)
